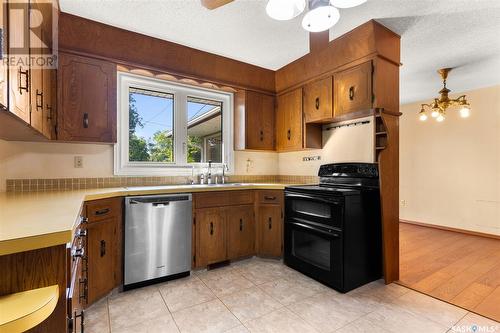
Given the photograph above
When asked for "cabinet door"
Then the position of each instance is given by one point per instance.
(36, 73)
(49, 98)
(87, 99)
(211, 236)
(3, 66)
(241, 231)
(353, 90)
(270, 230)
(76, 298)
(289, 121)
(318, 101)
(259, 123)
(101, 249)
(19, 76)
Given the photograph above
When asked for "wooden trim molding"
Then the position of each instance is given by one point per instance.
(127, 47)
(442, 227)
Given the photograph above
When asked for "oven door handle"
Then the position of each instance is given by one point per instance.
(312, 198)
(330, 232)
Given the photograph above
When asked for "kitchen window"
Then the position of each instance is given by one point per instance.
(167, 128)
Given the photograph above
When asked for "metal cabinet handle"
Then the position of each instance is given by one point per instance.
(85, 120)
(351, 93)
(83, 219)
(81, 233)
(103, 248)
(39, 97)
(270, 223)
(261, 135)
(78, 253)
(82, 320)
(83, 287)
(26, 80)
(269, 198)
(49, 109)
(241, 224)
(317, 103)
(289, 134)
(101, 212)
(211, 228)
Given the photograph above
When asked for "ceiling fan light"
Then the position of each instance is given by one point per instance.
(440, 118)
(347, 3)
(422, 115)
(283, 10)
(320, 18)
(434, 113)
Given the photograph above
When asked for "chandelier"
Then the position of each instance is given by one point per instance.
(439, 106)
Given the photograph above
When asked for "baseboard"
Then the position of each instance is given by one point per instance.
(463, 231)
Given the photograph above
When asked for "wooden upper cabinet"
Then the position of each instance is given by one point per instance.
(19, 76)
(86, 99)
(318, 105)
(241, 231)
(289, 121)
(49, 101)
(3, 66)
(353, 90)
(211, 236)
(254, 121)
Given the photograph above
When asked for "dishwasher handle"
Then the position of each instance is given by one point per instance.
(158, 201)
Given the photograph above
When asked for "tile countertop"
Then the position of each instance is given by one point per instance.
(34, 220)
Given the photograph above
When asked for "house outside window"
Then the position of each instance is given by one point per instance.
(167, 128)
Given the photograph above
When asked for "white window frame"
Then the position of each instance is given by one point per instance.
(180, 167)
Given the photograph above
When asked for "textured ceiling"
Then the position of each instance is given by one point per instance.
(435, 33)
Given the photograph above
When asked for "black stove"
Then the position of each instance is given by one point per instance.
(333, 229)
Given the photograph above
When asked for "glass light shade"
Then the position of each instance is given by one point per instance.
(440, 118)
(320, 18)
(346, 3)
(435, 113)
(422, 115)
(285, 9)
(465, 111)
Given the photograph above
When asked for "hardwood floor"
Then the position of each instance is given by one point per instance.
(458, 268)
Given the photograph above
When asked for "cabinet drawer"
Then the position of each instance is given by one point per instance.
(99, 210)
(223, 198)
(270, 196)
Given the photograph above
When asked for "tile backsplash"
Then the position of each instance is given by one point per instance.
(60, 184)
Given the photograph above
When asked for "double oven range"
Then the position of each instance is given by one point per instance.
(333, 230)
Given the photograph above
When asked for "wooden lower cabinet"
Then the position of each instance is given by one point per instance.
(76, 298)
(241, 231)
(101, 256)
(211, 236)
(270, 230)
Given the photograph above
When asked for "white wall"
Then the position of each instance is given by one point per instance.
(450, 171)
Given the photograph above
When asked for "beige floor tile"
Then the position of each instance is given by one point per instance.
(362, 325)
(279, 321)
(238, 329)
(224, 281)
(395, 319)
(292, 290)
(250, 303)
(207, 317)
(186, 292)
(331, 310)
(472, 322)
(136, 306)
(163, 324)
(378, 290)
(430, 308)
(97, 317)
(262, 271)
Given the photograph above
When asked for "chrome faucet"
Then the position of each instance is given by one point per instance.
(209, 172)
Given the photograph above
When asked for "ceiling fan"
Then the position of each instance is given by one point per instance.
(321, 16)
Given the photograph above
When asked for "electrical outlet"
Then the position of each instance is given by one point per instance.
(403, 203)
(78, 161)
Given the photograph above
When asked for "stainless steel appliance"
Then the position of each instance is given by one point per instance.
(157, 238)
(333, 230)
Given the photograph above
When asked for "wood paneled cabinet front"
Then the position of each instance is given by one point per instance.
(103, 250)
(241, 231)
(254, 121)
(318, 101)
(270, 230)
(86, 99)
(353, 91)
(289, 121)
(211, 244)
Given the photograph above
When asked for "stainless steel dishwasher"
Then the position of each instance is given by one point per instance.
(157, 238)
